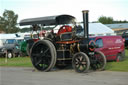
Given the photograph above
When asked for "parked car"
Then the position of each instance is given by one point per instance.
(111, 46)
(11, 47)
(125, 36)
(2, 49)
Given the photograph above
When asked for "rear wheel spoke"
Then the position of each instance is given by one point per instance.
(37, 54)
(38, 62)
(46, 50)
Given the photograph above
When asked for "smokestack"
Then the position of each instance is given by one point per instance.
(85, 23)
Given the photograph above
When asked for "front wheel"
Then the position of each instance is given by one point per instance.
(100, 61)
(80, 62)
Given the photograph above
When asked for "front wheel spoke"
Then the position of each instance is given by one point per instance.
(81, 67)
(81, 58)
(76, 60)
(78, 65)
(83, 62)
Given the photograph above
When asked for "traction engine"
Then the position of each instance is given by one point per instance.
(65, 48)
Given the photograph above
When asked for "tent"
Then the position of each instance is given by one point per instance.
(7, 36)
(98, 28)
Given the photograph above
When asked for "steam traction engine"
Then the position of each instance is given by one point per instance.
(65, 47)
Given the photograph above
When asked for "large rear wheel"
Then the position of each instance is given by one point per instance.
(80, 62)
(43, 55)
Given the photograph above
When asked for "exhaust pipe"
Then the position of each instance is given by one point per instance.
(85, 23)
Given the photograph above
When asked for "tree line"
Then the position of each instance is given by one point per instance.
(109, 20)
(8, 22)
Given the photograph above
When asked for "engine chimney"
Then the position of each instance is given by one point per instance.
(85, 23)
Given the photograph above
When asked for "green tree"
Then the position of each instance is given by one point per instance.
(124, 21)
(8, 22)
(105, 20)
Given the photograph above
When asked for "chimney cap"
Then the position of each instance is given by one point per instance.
(85, 11)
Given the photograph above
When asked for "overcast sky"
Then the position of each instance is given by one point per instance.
(118, 9)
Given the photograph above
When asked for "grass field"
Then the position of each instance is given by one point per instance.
(19, 61)
(26, 62)
(119, 66)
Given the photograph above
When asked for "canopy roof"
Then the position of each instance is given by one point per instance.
(99, 28)
(49, 20)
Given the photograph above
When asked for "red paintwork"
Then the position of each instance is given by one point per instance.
(112, 45)
(35, 40)
(64, 29)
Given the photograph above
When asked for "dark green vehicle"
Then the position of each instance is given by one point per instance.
(23, 47)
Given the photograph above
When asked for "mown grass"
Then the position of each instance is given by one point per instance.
(18, 61)
(118, 66)
(26, 62)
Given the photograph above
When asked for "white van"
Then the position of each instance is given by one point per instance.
(2, 49)
(1, 43)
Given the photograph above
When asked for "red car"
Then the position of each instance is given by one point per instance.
(112, 47)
